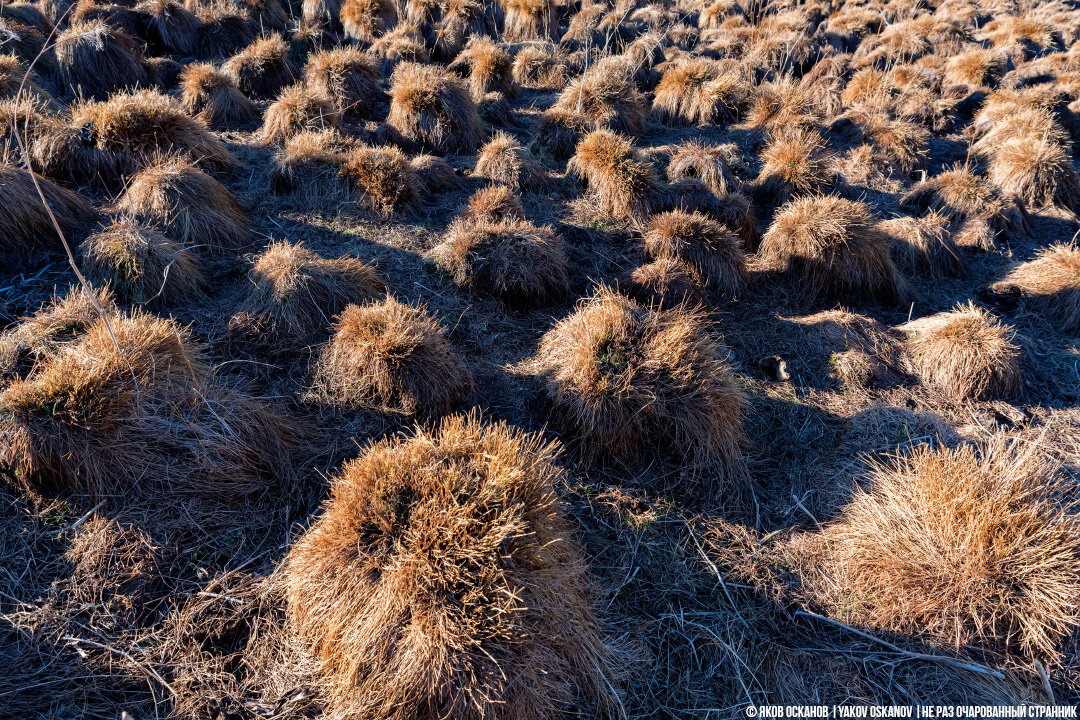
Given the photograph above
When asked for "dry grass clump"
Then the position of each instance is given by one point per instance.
(428, 105)
(607, 97)
(979, 213)
(308, 168)
(621, 183)
(366, 20)
(780, 104)
(522, 263)
(540, 67)
(530, 20)
(1032, 36)
(966, 354)
(61, 320)
(294, 293)
(972, 547)
(700, 91)
(190, 207)
(141, 265)
(395, 357)
(558, 133)
(212, 96)
(504, 160)
(137, 416)
(349, 78)
(924, 245)
(297, 109)
(980, 67)
(460, 20)
(263, 68)
(13, 76)
(169, 27)
(497, 620)
(834, 247)
(436, 175)
(1051, 282)
(488, 67)
(711, 252)
(861, 352)
(405, 43)
(664, 283)
(26, 42)
(625, 380)
(94, 60)
(384, 179)
(1036, 169)
(795, 162)
(493, 204)
(223, 30)
(710, 163)
(137, 128)
(25, 223)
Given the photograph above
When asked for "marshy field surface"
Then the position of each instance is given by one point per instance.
(537, 359)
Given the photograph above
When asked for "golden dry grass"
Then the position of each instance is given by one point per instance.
(94, 60)
(308, 168)
(430, 106)
(393, 357)
(366, 20)
(664, 283)
(487, 66)
(443, 573)
(262, 69)
(607, 97)
(295, 110)
(700, 91)
(712, 253)
(709, 163)
(59, 321)
(504, 160)
(211, 95)
(620, 181)
(1051, 282)
(349, 78)
(924, 245)
(383, 178)
(531, 20)
(25, 224)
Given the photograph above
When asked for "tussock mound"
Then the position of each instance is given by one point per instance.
(924, 245)
(540, 67)
(780, 104)
(969, 548)
(1036, 169)
(700, 91)
(834, 247)
(27, 43)
(979, 67)
(966, 354)
(296, 109)
(494, 204)
(13, 76)
(530, 20)
(435, 174)
(621, 183)
(366, 20)
(664, 283)
(349, 78)
(504, 160)
(25, 224)
(624, 380)
(308, 168)
(1051, 283)
(142, 265)
(169, 27)
(263, 68)
(392, 356)
(607, 97)
(712, 253)
(132, 130)
(500, 620)
(428, 105)
(383, 177)
(138, 417)
(188, 205)
(487, 66)
(224, 30)
(521, 263)
(460, 20)
(405, 43)
(93, 60)
(980, 214)
(294, 294)
(709, 163)
(38, 338)
(558, 133)
(212, 96)
(796, 162)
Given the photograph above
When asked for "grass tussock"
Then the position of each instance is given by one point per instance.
(263, 68)
(349, 78)
(294, 294)
(212, 96)
(968, 547)
(924, 245)
(712, 253)
(493, 204)
(625, 380)
(500, 620)
(795, 163)
(530, 20)
(966, 354)
(367, 20)
(1036, 169)
(141, 265)
(25, 224)
(487, 67)
(620, 181)
(710, 163)
(62, 319)
(700, 92)
(308, 168)
(504, 160)
(142, 416)
(664, 283)
(224, 29)
(429, 105)
(607, 97)
(558, 133)
(94, 60)
(297, 109)
(834, 247)
(540, 67)
(383, 178)
(1050, 283)
(522, 263)
(169, 27)
(14, 75)
(190, 207)
(393, 357)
